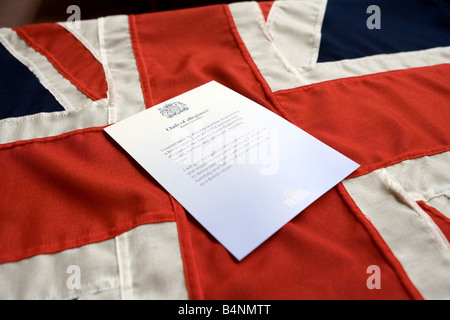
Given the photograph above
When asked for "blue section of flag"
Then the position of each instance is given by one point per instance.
(406, 25)
(21, 93)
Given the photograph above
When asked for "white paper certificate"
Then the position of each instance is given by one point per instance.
(241, 170)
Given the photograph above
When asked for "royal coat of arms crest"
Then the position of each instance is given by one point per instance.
(172, 109)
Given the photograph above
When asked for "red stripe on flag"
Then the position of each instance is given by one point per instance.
(205, 51)
(71, 190)
(323, 253)
(68, 55)
(377, 120)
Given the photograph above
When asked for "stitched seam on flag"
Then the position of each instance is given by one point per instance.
(46, 83)
(270, 18)
(375, 64)
(65, 92)
(432, 194)
(379, 243)
(91, 94)
(317, 36)
(270, 11)
(126, 93)
(119, 266)
(53, 247)
(435, 212)
(263, 26)
(351, 79)
(112, 109)
(269, 95)
(407, 156)
(21, 143)
(46, 115)
(98, 287)
(314, 40)
(40, 115)
(67, 74)
(123, 264)
(189, 265)
(83, 41)
(434, 231)
(143, 75)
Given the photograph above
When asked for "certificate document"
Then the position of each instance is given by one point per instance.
(240, 170)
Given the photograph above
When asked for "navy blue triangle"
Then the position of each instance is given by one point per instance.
(405, 26)
(21, 93)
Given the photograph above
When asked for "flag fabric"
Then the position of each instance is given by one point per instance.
(80, 219)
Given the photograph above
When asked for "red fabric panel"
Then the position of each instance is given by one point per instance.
(74, 189)
(265, 8)
(179, 59)
(441, 220)
(143, 76)
(377, 120)
(323, 253)
(68, 55)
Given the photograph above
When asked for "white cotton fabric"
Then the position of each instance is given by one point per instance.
(285, 48)
(387, 197)
(143, 263)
